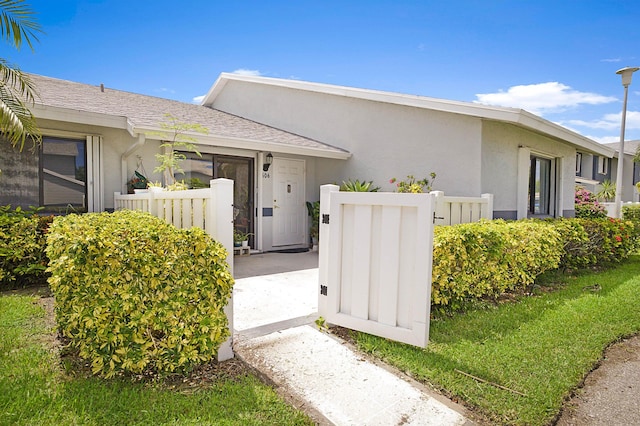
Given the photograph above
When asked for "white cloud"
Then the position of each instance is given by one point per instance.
(611, 60)
(198, 99)
(611, 121)
(165, 90)
(244, 71)
(605, 139)
(542, 98)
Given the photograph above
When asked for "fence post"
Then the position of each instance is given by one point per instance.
(443, 216)
(323, 245)
(219, 224)
(116, 202)
(153, 205)
(487, 209)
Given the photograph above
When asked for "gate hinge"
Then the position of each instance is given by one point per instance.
(323, 290)
(436, 217)
(325, 219)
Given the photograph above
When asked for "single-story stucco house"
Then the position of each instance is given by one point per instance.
(528, 163)
(95, 138)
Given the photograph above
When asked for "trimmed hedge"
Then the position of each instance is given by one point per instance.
(22, 247)
(136, 295)
(489, 258)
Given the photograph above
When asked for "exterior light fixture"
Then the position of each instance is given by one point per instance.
(626, 74)
(267, 162)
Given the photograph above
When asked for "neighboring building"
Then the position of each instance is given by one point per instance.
(95, 138)
(528, 163)
(630, 169)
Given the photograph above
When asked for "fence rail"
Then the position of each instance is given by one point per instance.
(208, 208)
(455, 210)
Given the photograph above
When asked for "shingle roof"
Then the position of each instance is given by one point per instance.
(630, 147)
(146, 112)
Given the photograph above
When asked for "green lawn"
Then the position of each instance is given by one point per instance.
(34, 391)
(541, 346)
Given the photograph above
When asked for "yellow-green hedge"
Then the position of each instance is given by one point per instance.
(135, 294)
(22, 241)
(487, 258)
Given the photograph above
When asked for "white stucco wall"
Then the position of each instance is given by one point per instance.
(385, 140)
(500, 149)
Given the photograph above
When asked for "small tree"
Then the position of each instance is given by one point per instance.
(176, 135)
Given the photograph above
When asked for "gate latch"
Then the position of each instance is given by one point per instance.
(323, 290)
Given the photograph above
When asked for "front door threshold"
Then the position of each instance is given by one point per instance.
(263, 330)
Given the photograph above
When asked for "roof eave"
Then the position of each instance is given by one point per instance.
(254, 145)
(540, 125)
(69, 115)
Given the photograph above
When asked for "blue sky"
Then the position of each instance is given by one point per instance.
(555, 58)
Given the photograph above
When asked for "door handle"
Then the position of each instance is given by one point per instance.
(276, 207)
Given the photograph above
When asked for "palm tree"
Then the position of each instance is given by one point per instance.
(17, 92)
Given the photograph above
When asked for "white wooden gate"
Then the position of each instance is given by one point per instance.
(375, 262)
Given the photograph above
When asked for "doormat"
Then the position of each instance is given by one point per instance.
(293, 250)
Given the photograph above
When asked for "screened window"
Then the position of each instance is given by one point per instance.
(540, 186)
(603, 165)
(578, 163)
(54, 176)
(63, 173)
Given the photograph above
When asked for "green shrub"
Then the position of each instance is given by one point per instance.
(631, 213)
(22, 247)
(137, 295)
(587, 205)
(577, 252)
(610, 240)
(487, 258)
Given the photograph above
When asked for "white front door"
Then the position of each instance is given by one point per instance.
(289, 210)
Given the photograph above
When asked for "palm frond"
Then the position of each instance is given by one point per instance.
(18, 23)
(17, 122)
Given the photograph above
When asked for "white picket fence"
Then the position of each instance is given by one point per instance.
(210, 209)
(456, 210)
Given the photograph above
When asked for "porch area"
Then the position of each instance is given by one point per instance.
(273, 292)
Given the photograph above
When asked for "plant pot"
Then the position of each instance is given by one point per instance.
(140, 191)
(237, 243)
(156, 189)
(245, 244)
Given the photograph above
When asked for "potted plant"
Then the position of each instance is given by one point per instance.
(314, 230)
(138, 181)
(241, 239)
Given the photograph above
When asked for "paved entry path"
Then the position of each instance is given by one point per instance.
(275, 333)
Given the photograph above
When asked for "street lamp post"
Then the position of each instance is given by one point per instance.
(626, 74)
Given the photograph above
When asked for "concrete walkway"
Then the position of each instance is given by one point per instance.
(274, 318)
